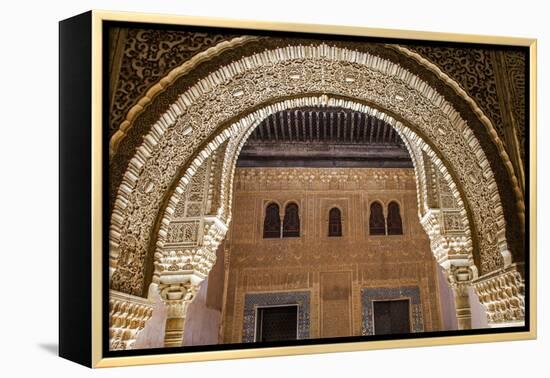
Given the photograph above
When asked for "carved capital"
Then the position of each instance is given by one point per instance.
(460, 277)
(179, 265)
(174, 295)
(460, 280)
(177, 298)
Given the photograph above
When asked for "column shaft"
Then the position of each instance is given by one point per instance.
(462, 306)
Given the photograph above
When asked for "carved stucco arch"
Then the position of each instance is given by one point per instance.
(443, 244)
(235, 43)
(458, 253)
(491, 130)
(293, 71)
(453, 252)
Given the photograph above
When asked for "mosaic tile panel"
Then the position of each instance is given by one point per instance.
(253, 301)
(369, 295)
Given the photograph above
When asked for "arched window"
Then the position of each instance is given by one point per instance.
(395, 226)
(291, 221)
(334, 222)
(272, 221)
(377, 224)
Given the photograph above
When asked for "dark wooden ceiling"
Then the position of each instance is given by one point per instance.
(324, 137)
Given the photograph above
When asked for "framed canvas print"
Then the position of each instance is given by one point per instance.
(236, 189)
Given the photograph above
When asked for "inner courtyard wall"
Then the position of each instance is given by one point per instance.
(330, 276)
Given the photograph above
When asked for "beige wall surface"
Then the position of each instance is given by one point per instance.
(333, 270)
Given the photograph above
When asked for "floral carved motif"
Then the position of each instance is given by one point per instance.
(148, 55)
(473, 70)
(452, 222)
(515, 69)
(183, 233)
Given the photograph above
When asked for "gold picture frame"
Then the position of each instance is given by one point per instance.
(84, 236)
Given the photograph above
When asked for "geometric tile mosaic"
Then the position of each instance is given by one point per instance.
(253, 301)
(369, 295)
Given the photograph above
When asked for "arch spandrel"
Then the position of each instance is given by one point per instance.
(292, 72)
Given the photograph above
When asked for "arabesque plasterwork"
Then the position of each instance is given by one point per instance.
(304, 76)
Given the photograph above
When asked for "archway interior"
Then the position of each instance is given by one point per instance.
(167, 172)
(179, 272)
(426, 117)
(315, 160)
(324, 137)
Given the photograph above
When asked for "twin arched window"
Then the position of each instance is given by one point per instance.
(272, 221)
(379, 226)
(335, 222)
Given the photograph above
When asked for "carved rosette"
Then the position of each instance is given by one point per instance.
(503, 296)
(127, 317)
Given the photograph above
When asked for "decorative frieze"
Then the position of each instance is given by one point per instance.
(183, 233)
(503, 296)
(127, 317)
(266, 179)
(286, 279)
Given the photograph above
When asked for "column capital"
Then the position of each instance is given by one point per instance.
(460, 276)
(173, 295)
(177, 298)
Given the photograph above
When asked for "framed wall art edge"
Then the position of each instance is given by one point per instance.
(83, 151)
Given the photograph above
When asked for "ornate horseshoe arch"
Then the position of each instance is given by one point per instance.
(443, 147)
